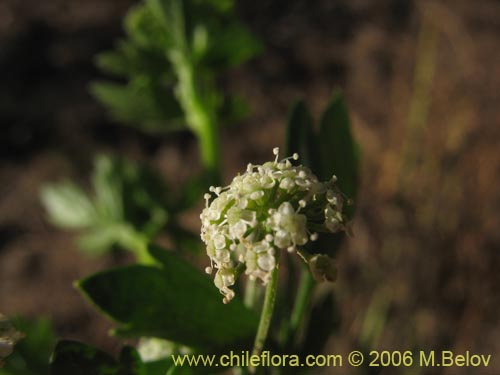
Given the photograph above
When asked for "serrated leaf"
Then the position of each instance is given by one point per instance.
(173, 301)
(338, 149)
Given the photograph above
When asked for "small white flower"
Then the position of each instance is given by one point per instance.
(268, 208)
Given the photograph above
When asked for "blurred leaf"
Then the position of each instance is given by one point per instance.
(221, 6)
(157, 367)
(337, 146)
(330, 152)
(145, 30)
(130, 362)
(173, 301)
(130, 205)
(101, 238)
(71, 357)
(234, 109)
(154, 109)
(231, 45)
(113, 62)
(300, 135)
(67, 205)
(323, 320)
(170, 14)
(31, 354)
(202, 36)
(75, 358)
(108, 189)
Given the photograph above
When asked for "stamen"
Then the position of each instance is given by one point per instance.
(276, 152)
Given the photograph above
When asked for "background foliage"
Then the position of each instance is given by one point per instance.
(421, 271)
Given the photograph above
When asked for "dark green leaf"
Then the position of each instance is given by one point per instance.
(300, 136)
(231, 45)
(32, 352)
(75, 358)
(338, 149)
(174, 301)
(131, 363)
(71, 357)
(323, 320)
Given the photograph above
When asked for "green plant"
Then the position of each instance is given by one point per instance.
(34, 341)
(128, 207)
(170, 60)
(267, 210)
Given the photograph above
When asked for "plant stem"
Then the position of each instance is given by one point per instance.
(250, 294)
(200, 112)
(304, 293)
(266, 315)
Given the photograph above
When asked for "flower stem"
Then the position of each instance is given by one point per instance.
(266, 315)
(304, 293)
(250, 294)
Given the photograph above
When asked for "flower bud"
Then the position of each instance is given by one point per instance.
(323, 268)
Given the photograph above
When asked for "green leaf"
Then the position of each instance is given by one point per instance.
(300, 136)
(131, 363)
(231, 45)
(129, 206)
(170, 14)
(155, 109)
(31, 353)
(173, 301)
(323, 320)
(108, 189)
(145, 30)
(113, 62)
(67, 205)
(75, 358)
(71, 357)
(338, 148)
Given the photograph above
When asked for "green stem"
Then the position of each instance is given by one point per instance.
(250, 294)
(200, 111)
(266, 315)
(136, 242)
(304, 293)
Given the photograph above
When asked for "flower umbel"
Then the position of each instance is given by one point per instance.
(268, 208)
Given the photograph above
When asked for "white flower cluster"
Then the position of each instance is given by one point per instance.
(268, 208)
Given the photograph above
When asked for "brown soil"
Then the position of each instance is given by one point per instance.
(421, 80)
